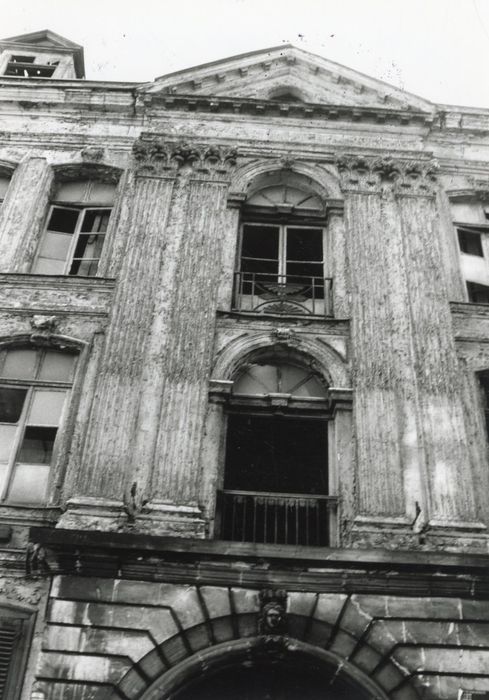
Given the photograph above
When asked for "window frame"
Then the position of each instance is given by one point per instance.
(20, 651)
(31, 385)
(82, 209)
(282, 243)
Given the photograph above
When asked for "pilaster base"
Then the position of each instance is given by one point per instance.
(398, 533)
(108, 515)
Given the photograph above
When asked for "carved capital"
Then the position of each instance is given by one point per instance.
(374, 174)
(155, 156)
(273, 618)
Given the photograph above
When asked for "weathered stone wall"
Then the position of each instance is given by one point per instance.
(115, 638)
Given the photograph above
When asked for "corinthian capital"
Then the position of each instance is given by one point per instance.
(376, 174)
(154, 155)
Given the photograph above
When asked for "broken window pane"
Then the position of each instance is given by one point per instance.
(276, 454)
(304, 244)
(11, 404)
(19, 364)
(37, 445)
(63, 220)
(470, 241)
(478, 293)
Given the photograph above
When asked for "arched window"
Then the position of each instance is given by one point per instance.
(282, 250)
(75, 231)
(34, 385)
(276, 463)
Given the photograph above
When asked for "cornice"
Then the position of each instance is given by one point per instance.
(320, 569)
(274, 108)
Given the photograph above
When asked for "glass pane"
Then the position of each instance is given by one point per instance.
(57, 366)
(37, 445)
(304, 270)
(258, 379)
(63, 220)
(260, 242)
(55, 245)
(72, 191)
(89, 247)
(101, 193)
(11, 404)
(95, 220)
(84, 268)
(4, 183)
(304, 244)
(46, 407)
(3, 476)
(7, 437)
(19, 364)
(46, 266)
(29, 484)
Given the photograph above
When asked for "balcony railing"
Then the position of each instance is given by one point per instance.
(275, 518)
(262, 292)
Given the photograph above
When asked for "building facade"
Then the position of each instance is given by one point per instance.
(244, 381)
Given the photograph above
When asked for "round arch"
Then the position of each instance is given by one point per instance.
(261, 654)
(322, 357)
(322, 181)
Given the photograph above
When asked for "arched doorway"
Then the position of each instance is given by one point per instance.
(264, 668)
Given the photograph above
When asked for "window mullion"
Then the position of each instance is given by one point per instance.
(18, 441)
(282, 262)
(72, 248)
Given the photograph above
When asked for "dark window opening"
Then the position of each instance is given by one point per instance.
(478, 293)
(470, 241)
(484, 384)
(276, 454)
(24, 67)
(276, 480)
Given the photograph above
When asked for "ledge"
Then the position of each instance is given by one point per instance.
(189, 549)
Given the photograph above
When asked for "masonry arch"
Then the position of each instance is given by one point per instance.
(273, 427)
(227, 642)
(322, 178)
(261, 667)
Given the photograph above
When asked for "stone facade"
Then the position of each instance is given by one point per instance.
(130, 591)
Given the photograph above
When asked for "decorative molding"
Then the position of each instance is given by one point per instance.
(300, 110)
(92, 154)
(376, 174)
(156, 156)
(273, 604)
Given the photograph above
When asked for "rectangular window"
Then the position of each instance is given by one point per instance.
(25, 67)
(469, 240)
(34, 385)
(478, 293)
(73, 241)
(16, 629)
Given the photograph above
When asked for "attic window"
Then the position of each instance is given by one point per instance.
(25, 67)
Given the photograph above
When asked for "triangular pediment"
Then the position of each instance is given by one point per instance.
(43, 38)
(286, 73)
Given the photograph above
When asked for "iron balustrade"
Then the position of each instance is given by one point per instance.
(262, 292)
(275, 518)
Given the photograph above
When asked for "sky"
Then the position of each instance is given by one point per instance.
(437, 49)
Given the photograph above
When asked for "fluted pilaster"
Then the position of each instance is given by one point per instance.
(23, 213)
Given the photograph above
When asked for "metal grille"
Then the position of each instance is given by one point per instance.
(262, 292)
(275, 518)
